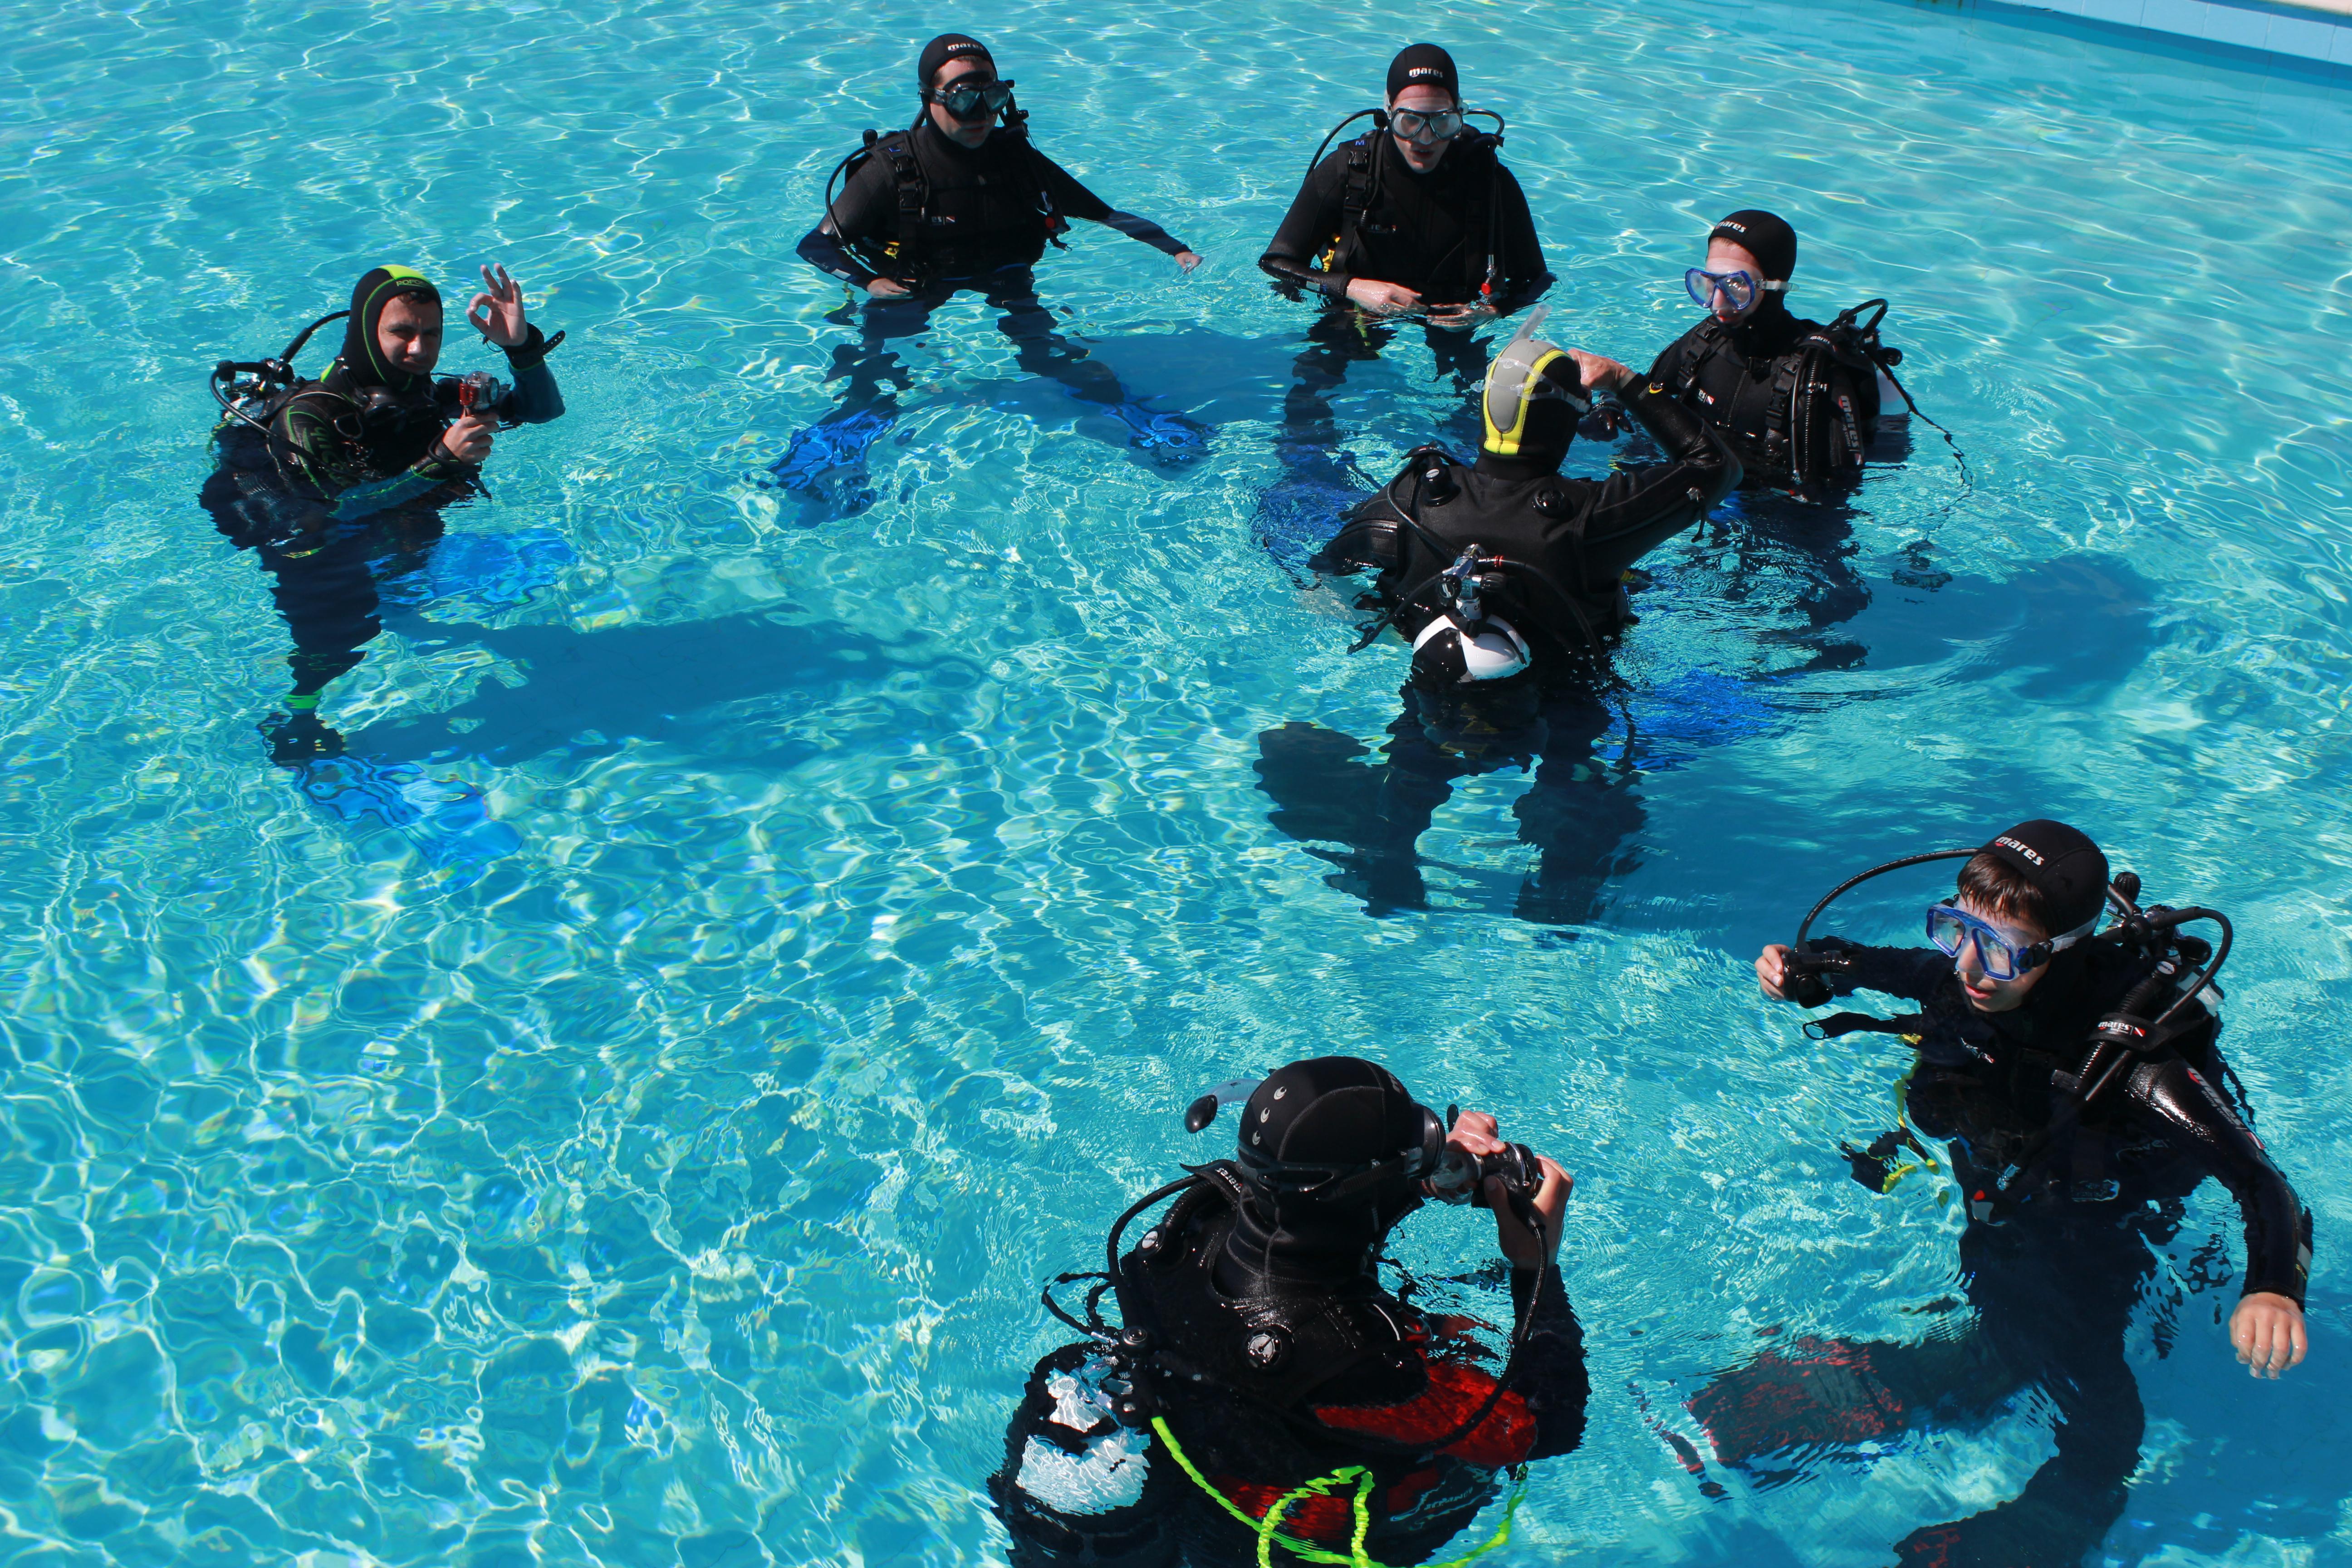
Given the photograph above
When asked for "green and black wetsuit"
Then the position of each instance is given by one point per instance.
(346, 487)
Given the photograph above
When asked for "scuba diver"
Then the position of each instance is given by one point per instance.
(338, 483)
(1416, 217)
(1507, 580)
(955, 201)
(2077, 1080)
(1799, 400)
(1265, 1392)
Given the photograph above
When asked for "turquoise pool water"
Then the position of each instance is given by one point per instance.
(623, 1112)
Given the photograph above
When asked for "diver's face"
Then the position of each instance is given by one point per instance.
(1729, 256)
(1421, 157)
(1985, 993)
(408, 336)
(964, 133)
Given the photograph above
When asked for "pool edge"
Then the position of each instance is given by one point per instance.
(2272, 37)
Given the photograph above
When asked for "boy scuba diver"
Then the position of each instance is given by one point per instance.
(960, 200)
(338, 483)
(2078, 1082)
(1508, 581)
(1265, 1394)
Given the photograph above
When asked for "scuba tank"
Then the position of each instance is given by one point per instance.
(1140, 1357)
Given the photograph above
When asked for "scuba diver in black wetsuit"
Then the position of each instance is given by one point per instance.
(1416, 217)
(2078, 1080)
(955, 201)
(338, 483)
(1507, 580)
(1800, 401)
(1266, 1396)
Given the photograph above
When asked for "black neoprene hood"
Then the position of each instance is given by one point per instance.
(383, 285)
(1765, 236)
(1330, 1111)
(941, 50)
(1423, 65)
(2068, 870)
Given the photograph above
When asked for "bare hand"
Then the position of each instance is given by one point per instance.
(886, 289)
(1600, 373)
(1475, 1133)
(497, 314)
(1772, 972)
(1188, 260)
(469, 440)
(2268, 1332)
(1382, 299)
(1462, 318)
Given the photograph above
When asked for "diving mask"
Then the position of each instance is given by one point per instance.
(1425, 126)
(1739, 289)
(967, 100)
(1951, 929)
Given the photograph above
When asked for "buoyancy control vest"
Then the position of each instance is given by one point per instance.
(1802, 417)
(958, 214)
(1279, 1343)
(258, 492)
(1377, 228)
(1558, 590)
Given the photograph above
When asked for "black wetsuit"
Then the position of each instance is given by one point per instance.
(1790, 420)
(341, 497)
(1431, 233)
(941, 217)
(937, 216)
(1579, 536)
(1300, 1374)
(1571, 540)
(2056, 1279)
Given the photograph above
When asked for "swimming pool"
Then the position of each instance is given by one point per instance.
(625, 1111)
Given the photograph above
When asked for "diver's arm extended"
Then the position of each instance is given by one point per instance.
(1076, 201)
(2195, 1118)
(1912, 973)
(1308, 229)
(1663, 499)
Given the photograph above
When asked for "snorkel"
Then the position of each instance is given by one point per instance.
(1519, 380)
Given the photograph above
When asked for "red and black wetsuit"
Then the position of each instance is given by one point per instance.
(1270, 1383)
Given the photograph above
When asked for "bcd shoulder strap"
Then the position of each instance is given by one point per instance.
(1355, 199)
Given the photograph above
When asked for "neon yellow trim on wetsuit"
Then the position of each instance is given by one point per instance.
(1359, 1505)
(393, 276)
